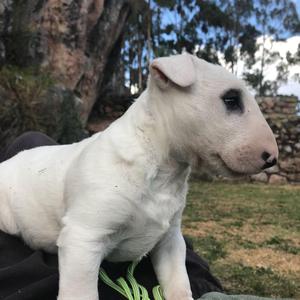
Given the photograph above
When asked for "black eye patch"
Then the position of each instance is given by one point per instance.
(232, 99)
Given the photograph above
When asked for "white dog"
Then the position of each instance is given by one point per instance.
(120, 194)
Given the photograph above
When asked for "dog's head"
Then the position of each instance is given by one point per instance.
(208, 115)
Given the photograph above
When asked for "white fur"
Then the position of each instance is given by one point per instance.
(120, 194)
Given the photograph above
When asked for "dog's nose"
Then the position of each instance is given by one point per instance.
(270, 160)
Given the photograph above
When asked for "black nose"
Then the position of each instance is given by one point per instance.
(270, 161)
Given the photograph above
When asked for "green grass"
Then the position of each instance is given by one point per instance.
(250, 235)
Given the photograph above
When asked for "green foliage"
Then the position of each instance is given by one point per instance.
(210, 248)
(211, 29)
(256, 281)
(21, 39)
(27, 82)
(274, 19)
(23, 88)
(279, 243)
(30, 101)
(71, 128)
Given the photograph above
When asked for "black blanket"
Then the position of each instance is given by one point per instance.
(33, 275)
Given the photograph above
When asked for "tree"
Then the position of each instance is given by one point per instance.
(72, 41)
(239, 34)
(219, 31)
(274, 19)
(163, 27)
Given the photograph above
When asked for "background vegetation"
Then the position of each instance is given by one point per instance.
(250, 235)
(219, 31)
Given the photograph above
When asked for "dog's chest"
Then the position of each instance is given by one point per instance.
(159, 207)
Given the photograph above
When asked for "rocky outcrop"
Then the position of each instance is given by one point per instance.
(282, 114)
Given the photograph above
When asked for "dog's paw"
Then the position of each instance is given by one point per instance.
(77, 297)
(180, 295)
(176, 298)
(179, 298)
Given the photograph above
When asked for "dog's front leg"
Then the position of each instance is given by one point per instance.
(168, 258)
(80, 254)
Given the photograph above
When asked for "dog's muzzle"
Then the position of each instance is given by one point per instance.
(269, 159)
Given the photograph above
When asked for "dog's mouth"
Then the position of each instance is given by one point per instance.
(228, 171)
(215, 165)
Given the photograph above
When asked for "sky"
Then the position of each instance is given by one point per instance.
(297, 2)
(291, 87)
(291, 44)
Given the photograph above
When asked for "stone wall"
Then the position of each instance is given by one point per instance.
(282, 114)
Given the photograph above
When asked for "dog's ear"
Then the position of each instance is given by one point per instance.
(179, 69)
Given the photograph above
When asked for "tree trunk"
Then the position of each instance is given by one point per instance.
(70, 38)
(149, 35)
(139, 53)
(101, 42)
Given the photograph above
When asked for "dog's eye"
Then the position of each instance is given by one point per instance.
(232, 100)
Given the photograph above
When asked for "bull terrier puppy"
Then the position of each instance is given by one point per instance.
(120, 194)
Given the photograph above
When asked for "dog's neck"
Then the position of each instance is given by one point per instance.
(151, 129)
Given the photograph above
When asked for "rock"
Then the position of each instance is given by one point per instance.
(272, 170)
(290, 165)
(281, 114)
(261, 177)
(294, 177)
(277, 179)
(287, 110)
(269, 102)
(287, 149)
(297, 146)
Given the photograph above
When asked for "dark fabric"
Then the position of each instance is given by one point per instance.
(220, 296)
(27, 140)
(26, 274)
(33, 275)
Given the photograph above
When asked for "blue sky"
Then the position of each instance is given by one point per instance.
(291, 87)
(173, 18)
(297, 2)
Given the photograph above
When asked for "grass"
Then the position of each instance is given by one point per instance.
(250, 235)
